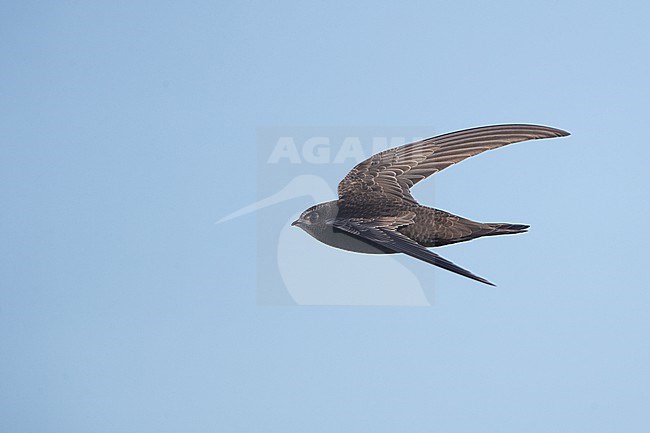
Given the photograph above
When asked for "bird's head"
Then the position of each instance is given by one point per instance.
(314, 219)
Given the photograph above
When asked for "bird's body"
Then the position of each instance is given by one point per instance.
(376, 214)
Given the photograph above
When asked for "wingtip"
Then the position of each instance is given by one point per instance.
(557, 132)
(563, 133)
(481, 280)
(547, 131)
(484, 281)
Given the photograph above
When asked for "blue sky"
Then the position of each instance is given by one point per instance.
(129, 128)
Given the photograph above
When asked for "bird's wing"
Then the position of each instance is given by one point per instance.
(395, 171)
(383, 232)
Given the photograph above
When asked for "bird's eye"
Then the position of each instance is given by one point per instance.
(312, 217)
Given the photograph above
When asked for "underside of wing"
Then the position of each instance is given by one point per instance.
(384, 234)
(395, 171)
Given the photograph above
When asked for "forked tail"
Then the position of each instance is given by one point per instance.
(506, 229)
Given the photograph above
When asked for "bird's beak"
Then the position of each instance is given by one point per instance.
(295, 223)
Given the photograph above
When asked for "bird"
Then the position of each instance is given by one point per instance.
(375, 212)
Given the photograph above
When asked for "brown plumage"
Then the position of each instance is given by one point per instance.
(376, 213)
